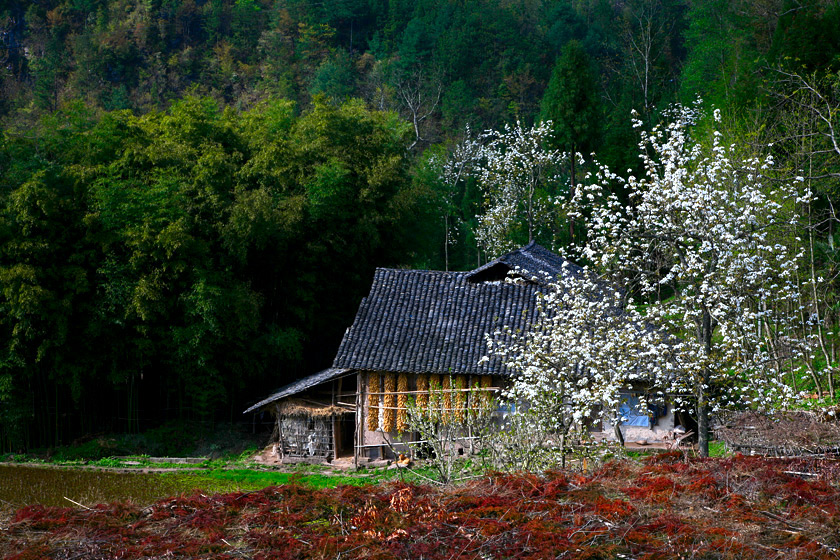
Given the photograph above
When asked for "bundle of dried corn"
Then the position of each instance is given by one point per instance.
(434, 392)
(460, 398)
(402, 401)
(474, 403)
(389, 413)
(486, 383)
(373, 402)
(446, 416)
(422, 391)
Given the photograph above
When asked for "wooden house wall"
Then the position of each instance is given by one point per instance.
(319, 436)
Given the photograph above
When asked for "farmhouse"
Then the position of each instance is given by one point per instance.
(415, 331)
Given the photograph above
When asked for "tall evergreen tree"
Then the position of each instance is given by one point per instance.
(571, 104)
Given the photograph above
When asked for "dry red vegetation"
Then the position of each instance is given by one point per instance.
(664, 507)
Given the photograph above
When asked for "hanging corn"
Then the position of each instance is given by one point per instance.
(486, 383)
(434, 393)
(402, 402)
(422, 391)
(446, 414)
(474, 402)
(373, 402)
(460, 397)
(389, 413)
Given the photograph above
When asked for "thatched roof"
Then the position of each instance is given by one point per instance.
(301, 385)
(308, 409)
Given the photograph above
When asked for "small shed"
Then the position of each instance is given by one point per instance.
(314, 417)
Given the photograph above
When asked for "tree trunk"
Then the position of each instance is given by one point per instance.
(531, 210)
(702, 398)
(572, 187)
(619, 437)
(446, 243)
(702, 423)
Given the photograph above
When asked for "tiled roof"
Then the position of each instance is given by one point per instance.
(431, 322)
(435, 322)
(535, 259)
(421, 321)
(301, 385)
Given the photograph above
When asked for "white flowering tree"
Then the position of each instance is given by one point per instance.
(705, 245)
(707, 242)
(514, 165)
(583, 348)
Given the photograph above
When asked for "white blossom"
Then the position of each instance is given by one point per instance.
(512, 165)
(702, 246)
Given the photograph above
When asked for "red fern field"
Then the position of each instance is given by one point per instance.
(662, 507)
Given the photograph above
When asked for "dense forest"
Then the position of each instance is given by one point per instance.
(194, 193)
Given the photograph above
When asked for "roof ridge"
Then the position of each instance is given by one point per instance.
(420, 270)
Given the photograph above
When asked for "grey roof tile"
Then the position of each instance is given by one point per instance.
(532, 258)
(422, 321)
(301, 385)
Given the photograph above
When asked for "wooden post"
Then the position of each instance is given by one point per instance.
(280, 435)
(357, 439)
(336, 385)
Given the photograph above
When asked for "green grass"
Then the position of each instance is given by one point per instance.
(313, 476)
(718, 449)
(228, 480)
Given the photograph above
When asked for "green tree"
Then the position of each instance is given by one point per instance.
(572, 105)
(722, 53)
(335, 78)
(46, 264)
(47, 70)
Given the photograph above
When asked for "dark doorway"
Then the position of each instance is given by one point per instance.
(345, 429)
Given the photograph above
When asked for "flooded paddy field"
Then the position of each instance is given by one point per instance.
(25, 484)
(22, 485)
(52, 486)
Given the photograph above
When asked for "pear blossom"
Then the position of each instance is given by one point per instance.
(513, 164)
(704, 248)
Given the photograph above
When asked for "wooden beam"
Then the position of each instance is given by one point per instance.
(336, 435)
(357, 434)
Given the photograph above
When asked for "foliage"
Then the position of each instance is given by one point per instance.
(452, 437)
(154, 272)
(170, 260)
(570, 102)
(582, 349)
(663, 507)
(704, 245)
(451, 170)
(522, 442)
